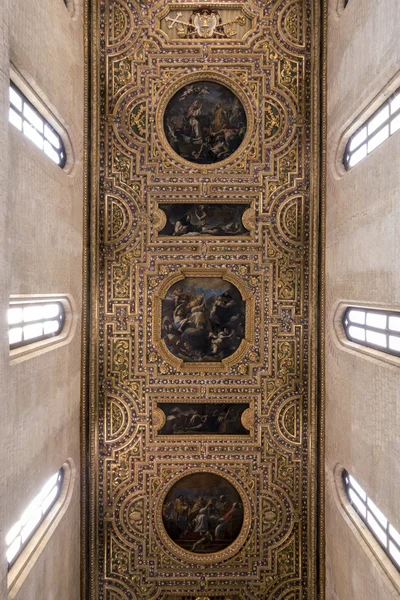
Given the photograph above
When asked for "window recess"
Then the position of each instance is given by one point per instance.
(386, 535)
(22, 531)
(379, 329)
(27, 119)
(379, 127)
(31, 322)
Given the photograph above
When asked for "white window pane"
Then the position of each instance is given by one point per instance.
(378, 339)
(380, 137)
(357, 316)
(30, 511)
(357, 333)
(50, 327)
(15, 335)
(33, 135)
(394, 343)
(51, 310)
(381, 116)
(49, 485)
(33, 331)
(376, 320)
(15, 99)
(51, 153)
(394, 323)
(33, 118)
(15, 119)
(358, 155)
(358, 139)
(31, 524)
(14, 316)
(395, 104)
(395, 534)
(12, 534)
(13, 549)
(358, 488)
(395, 124)
(394, 552)
(33, 313)
(49, 499)
(357, 502)
(51, 136)
(377, 529)
(377, 513)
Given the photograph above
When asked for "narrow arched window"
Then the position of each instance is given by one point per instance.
(379, 127)
(27, 119)
(31, 322)
(22, 531)
(387, 536)
(379, 329)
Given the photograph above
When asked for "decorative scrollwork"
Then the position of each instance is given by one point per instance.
(229, 363)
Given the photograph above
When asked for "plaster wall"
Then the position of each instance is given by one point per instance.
(362, 266)
(41, 216)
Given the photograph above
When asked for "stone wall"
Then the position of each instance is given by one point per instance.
(41, 220)
(362, 266)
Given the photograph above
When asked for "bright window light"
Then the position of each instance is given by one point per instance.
(21, 532)
(378, 329)
(387, 536)
(358, 488)
(381, 117)
(376, 320)
(34, 321)
(379, 127)
(26, 118)
(357, 316)
(357, 333)
(394, 553)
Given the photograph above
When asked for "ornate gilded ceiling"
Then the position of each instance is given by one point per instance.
(204, 199)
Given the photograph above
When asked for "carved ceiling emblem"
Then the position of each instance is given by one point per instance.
(204, 23)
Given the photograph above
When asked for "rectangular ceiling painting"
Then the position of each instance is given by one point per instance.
(204, 204)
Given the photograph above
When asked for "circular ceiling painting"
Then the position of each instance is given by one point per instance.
(203, 513)
(205, 122)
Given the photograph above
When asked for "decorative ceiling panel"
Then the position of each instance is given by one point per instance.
(204, 204)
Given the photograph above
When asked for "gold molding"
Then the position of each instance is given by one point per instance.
(91, 385)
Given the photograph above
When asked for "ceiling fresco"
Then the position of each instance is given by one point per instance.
(204, 194)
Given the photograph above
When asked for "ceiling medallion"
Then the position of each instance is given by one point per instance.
(203, 516)
(205, 120)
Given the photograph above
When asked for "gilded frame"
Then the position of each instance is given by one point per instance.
(247, 419)
(217, 77)
(200, 367)
(248, 219)
(216, 557)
